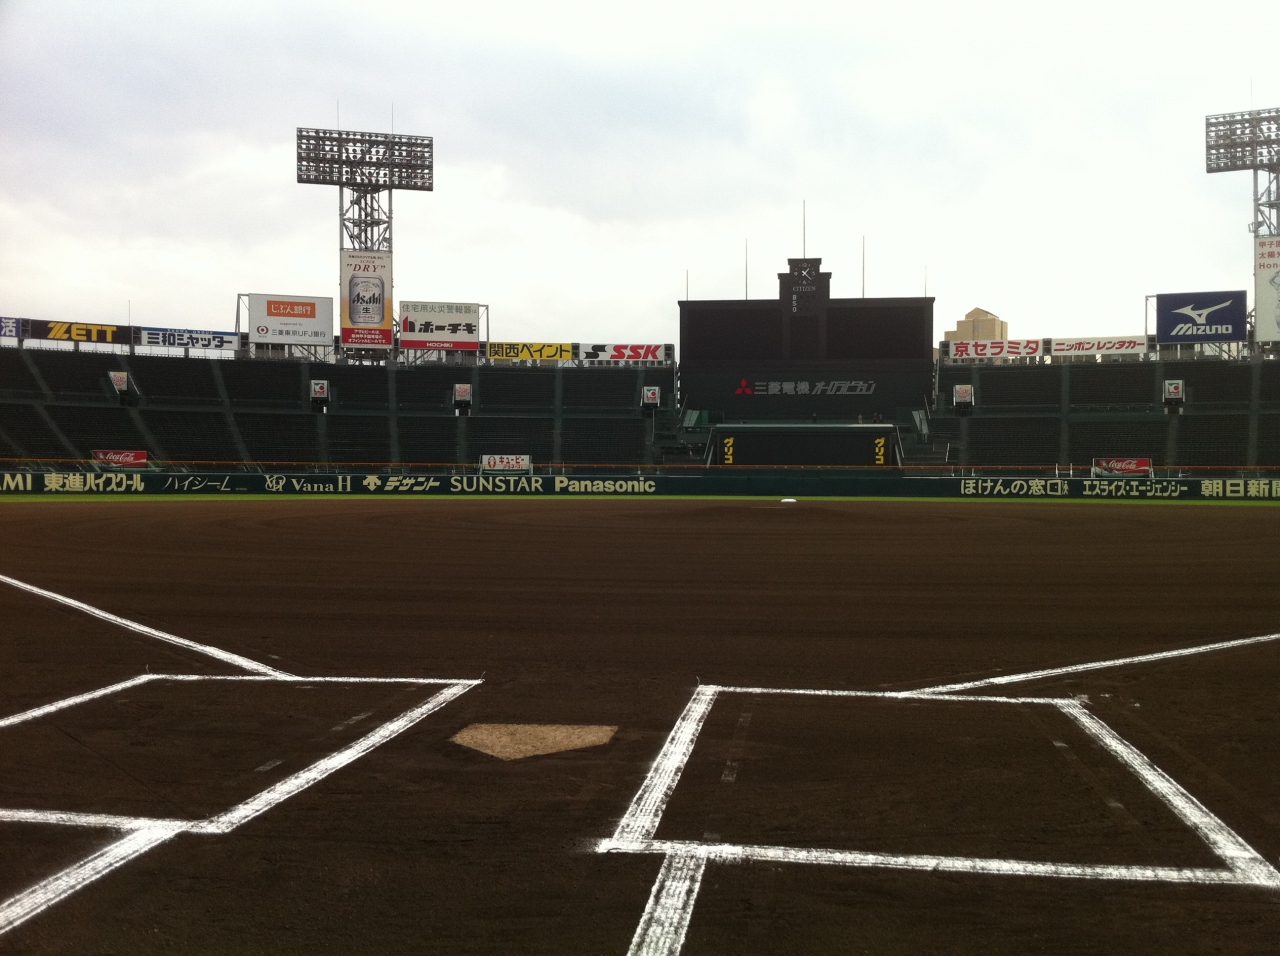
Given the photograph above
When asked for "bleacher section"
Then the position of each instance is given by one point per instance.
(512, 389)
(1117, 439)
(1211, 383)
(185, 381)
(98, 427)
(1269, 439)
(1269, 383)
(428, 440)
(599, 440)
(360, 438)
(1126, 384)
(590, 388)
(26, 428)
(429, 387)
(1212, 439)
(510, 436)
(78, 375)
(357, 386)
(1013, 441)
(1022, 386)
(16, 380)
(264, 383)
(192, 436)
(275, 437)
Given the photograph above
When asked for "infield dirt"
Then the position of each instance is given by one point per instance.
(611, 613)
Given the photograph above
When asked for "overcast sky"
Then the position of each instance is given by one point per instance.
(1041, 161)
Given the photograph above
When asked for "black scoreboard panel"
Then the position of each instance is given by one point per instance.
(881, 329)
(850, 445)
(712, 332)
(797, 391)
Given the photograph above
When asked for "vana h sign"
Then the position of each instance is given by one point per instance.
(1185, 318)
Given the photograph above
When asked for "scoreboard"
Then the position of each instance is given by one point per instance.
(769, 444)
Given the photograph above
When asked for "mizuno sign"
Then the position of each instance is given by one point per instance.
(1201, 317)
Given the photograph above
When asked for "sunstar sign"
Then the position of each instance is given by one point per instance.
(1189, 317)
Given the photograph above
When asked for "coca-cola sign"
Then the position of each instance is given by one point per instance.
(1120, 467)
(121, 459)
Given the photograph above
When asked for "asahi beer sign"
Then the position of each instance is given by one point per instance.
(1266, 289)
(290, 319)
(367, 315)
(448, 326)
(1185, 318)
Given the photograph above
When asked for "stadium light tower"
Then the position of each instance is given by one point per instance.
(365, 167)
(1238, 141)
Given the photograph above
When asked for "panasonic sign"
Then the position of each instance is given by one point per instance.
(1187, 317)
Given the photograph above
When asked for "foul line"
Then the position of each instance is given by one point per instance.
(235, 660)
(1097, 665)
(666, 917)
(641, 819)
(31, 902)
(78, 699)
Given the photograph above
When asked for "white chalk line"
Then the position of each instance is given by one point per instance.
(235, 660)
(148, 832)
(78, 699)
(35, 900)
(745, 853)
(948, 689)
(641, 819)
(37, 712)
(666, 917)
(296, 783)
(108, 821)
(1225, 842)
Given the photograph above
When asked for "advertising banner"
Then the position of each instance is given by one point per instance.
(1185, 318)
(719, 482)
(10, 328)
(1120, 467)
(1132, 345)
(119, 381)
(651, 395)
(962, 394)
(121, 459)
(290, 319)
(622, 353)
(367, 314)
(453, 326)
(997, 348)
(78, 332)
(1266, 289)
(530, 351)
(320, 389)
(186, 339)
(506, 463)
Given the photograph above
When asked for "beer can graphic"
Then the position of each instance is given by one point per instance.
(364, 297)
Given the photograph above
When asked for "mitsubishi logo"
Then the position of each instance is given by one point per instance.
(1199, 314)
(744, 389)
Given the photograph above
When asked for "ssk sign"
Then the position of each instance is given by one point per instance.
(121, 459)
(1190, 317)
(1121, 467)
(621, 353)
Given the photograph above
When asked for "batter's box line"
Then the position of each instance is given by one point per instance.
(662, 928)
(146, 833)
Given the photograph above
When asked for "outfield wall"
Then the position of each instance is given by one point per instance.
(718, 484)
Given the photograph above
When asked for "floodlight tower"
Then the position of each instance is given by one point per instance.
(1236, 141)
(365, 167)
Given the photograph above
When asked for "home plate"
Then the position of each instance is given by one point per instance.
(514, 741)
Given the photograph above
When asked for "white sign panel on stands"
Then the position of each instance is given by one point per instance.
(451, 326)
(1266, 289)
(290, 319)
(1128, 345)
